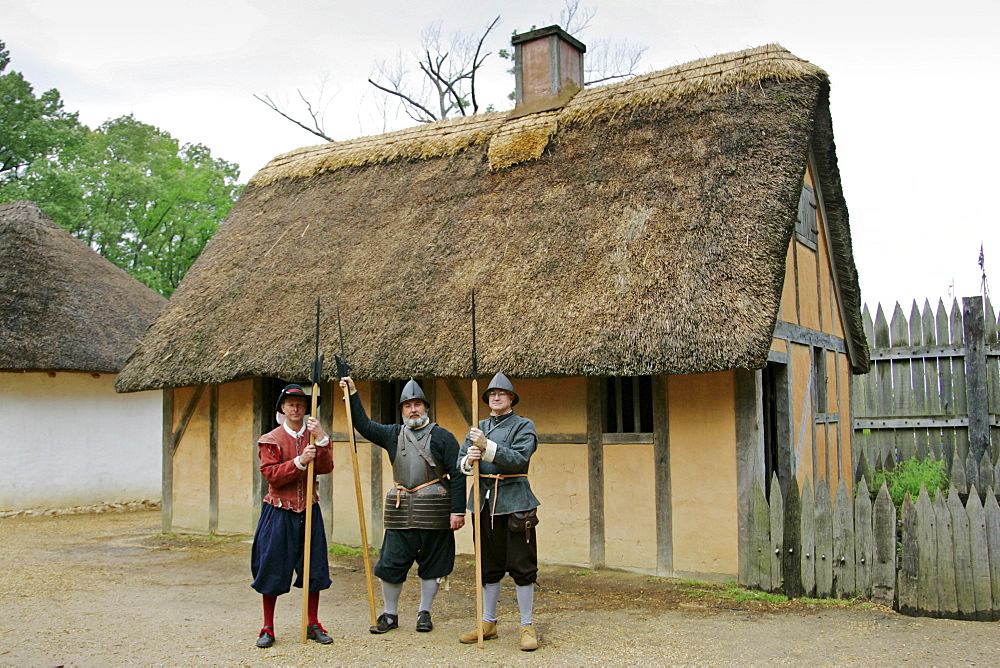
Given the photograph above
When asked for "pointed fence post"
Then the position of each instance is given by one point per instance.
(980, 556)
(992, 511)
(927, 555)
(791, 566)
(823, 540)
(807, 544)
(864, 541)
(844, 561)
(947, 595)
(963, 558)
(884, 561)
(777, 508)
(908, 560)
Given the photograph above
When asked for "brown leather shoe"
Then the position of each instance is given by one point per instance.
(529, 642)
(489, 633)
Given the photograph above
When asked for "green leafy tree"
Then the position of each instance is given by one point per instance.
(128, 189)
(31, 127)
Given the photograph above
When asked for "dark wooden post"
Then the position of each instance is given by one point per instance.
(213, 459)
(167, 462)
(382, 411)
(975, 376)
(749, 411)
(261, 413)
(661, 457)
(595, 467)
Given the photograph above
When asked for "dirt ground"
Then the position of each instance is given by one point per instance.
(108, 589)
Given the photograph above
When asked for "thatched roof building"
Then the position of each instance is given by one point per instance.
(640, 229)
(63, 306)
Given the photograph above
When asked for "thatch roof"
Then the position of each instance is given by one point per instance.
(641, 229)
(63, 306)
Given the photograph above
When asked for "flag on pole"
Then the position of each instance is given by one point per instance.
(982, 262)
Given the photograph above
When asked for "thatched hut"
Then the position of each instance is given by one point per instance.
(70, 319)
(664, 265)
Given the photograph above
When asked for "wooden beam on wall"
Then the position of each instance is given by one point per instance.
(749, 454)
(595, 468)
(459, 396)
(382, 411)
(259, 413)
(213, 459)
(663, 495)
(167, 462)
(171, 439)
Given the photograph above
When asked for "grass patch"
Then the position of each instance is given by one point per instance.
(730, 591)
(338, 550)
(200, 538)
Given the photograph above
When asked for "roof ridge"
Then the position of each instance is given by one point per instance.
(711, 75)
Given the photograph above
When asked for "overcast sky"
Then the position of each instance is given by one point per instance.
(915, 94)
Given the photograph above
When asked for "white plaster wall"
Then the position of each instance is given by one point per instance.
(70, 440)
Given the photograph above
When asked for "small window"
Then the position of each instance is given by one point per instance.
(629, 405)
(806, 228)
(820, 400)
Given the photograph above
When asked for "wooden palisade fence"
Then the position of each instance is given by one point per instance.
(947, 563)
(933, 391)
(933, 388)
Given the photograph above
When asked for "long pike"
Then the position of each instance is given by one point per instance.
(477, 539)
(344, 370)
(317, 373)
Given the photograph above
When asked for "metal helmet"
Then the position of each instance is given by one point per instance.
(294, 390)
(412, 391)
(500, 382)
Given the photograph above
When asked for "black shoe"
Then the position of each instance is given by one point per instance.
(386, 623)
(318, 633)
(266, 638)
(424, 623)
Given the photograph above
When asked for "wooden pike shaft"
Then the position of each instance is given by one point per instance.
(307, 546)
(361, 509)
(477, 539)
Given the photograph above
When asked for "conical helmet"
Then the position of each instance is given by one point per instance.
(412, 391)
(500, 382)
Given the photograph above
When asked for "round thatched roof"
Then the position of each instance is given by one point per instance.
(63, 306)
(641, 229)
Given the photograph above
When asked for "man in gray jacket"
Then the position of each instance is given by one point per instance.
(503, 443)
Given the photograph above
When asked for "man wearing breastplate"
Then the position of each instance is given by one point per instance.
(503, 444)
(424, 508)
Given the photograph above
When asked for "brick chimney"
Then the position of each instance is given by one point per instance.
(548, 69)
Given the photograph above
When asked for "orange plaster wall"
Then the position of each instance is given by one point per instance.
(846, 428)
(559, 480)
(629, 506)
(237, 457)
(787, 311)
(346, 528)
(703, 472)
(808, 290)
(190, 497)
(801, 419)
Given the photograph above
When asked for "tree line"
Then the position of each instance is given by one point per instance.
(136, 195)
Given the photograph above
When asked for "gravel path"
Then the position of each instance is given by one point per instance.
(106, 589)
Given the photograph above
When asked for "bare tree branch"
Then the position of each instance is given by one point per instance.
(273, 105)
(406, 99)
(477, 62)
